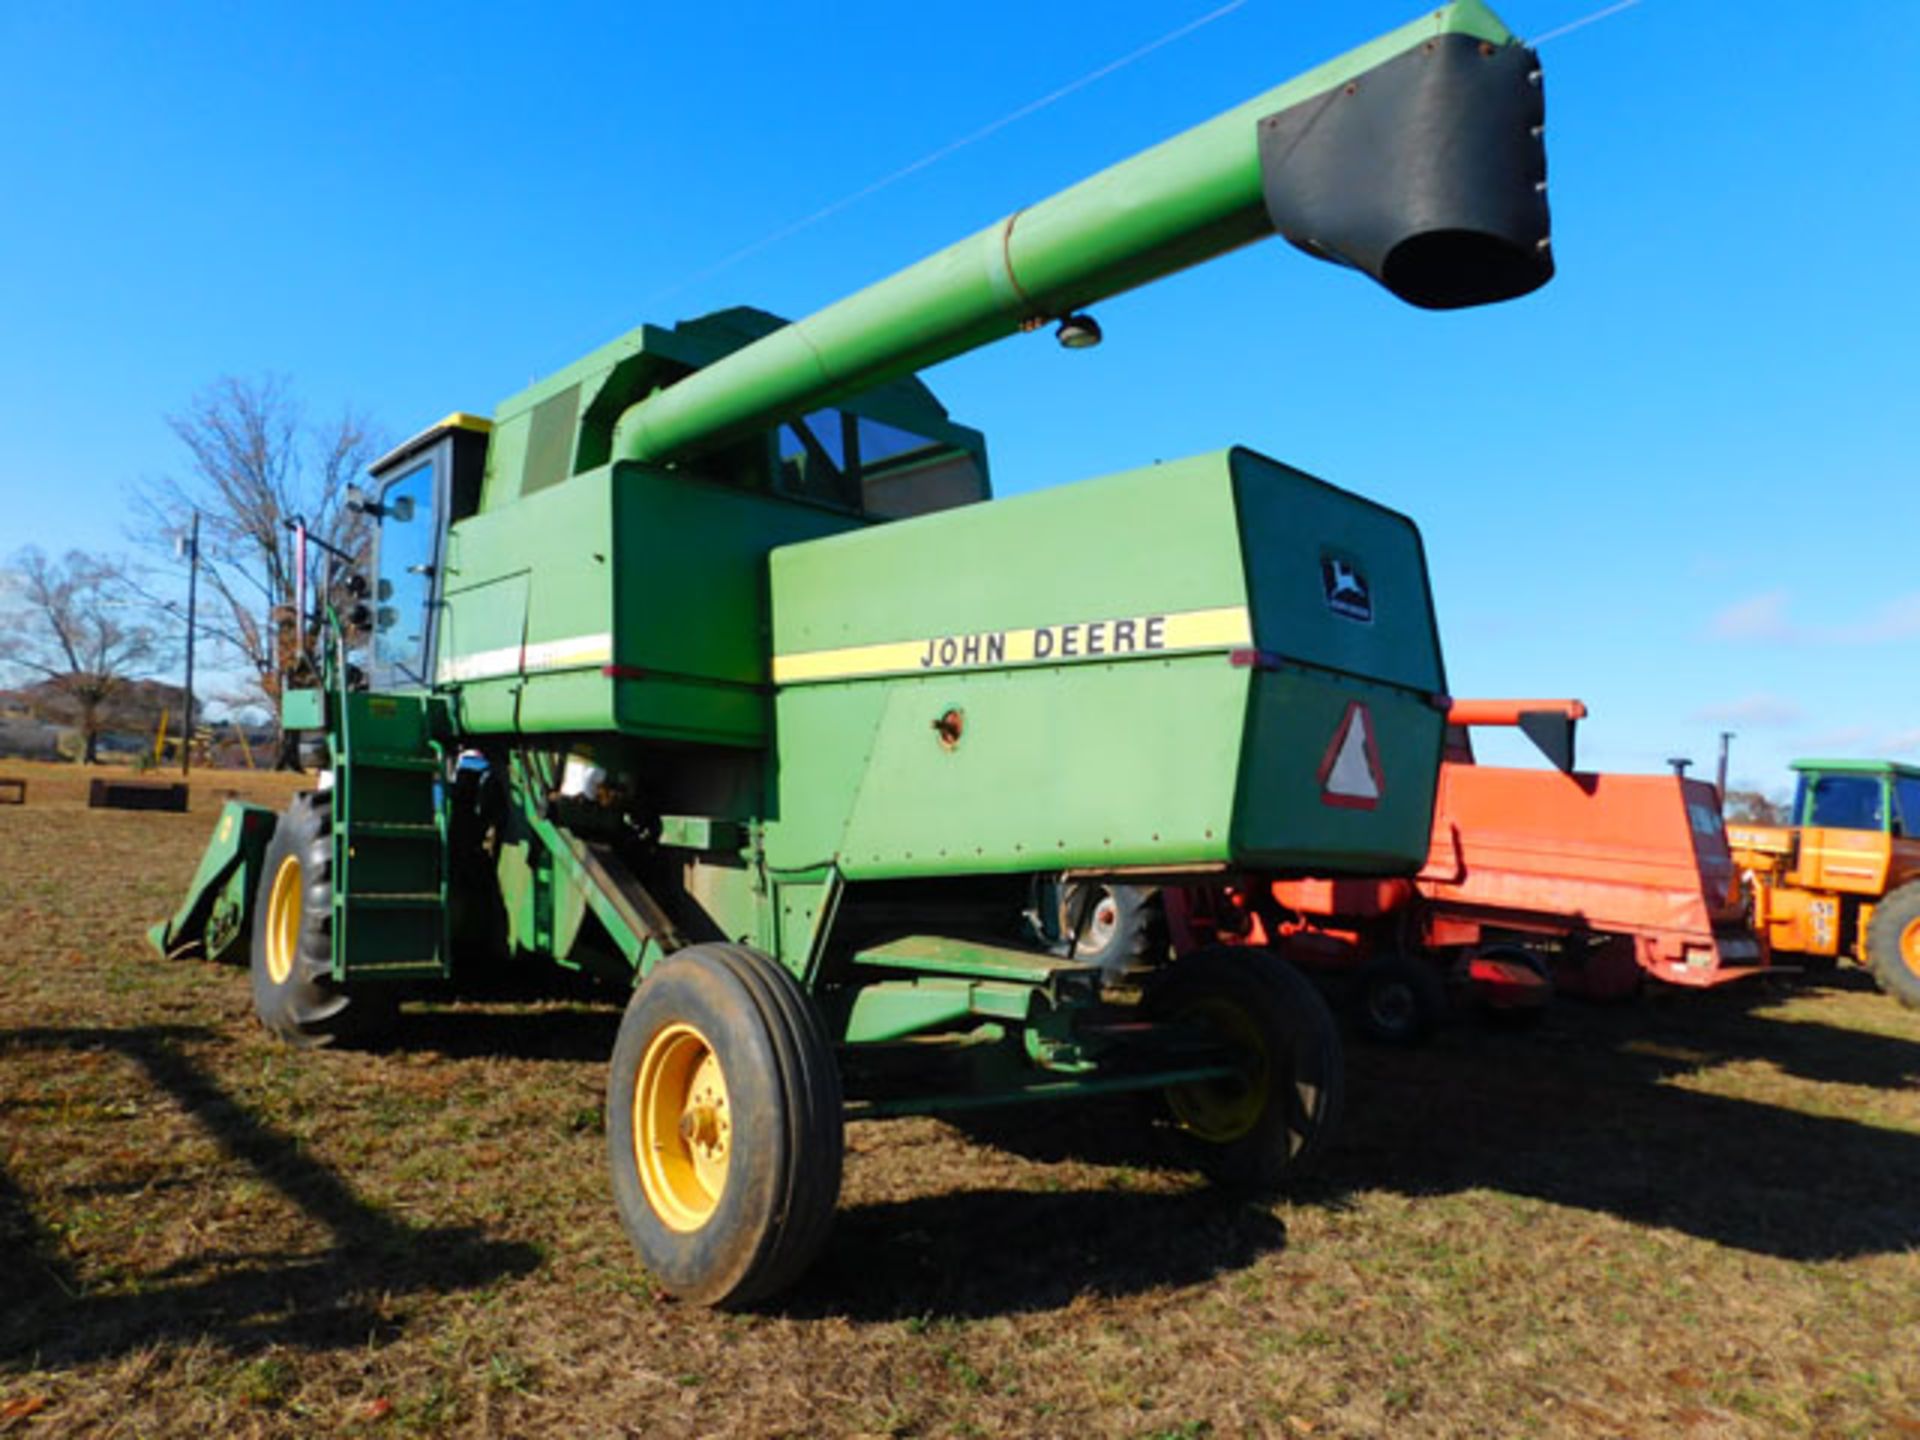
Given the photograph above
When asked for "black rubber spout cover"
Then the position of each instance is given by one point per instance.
(1427, 172)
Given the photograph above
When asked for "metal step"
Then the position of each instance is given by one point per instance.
(397, 829)
(973, 959)
(394, 900)
(395, 760)
(429, 969)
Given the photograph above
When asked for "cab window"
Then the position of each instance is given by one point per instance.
(855, 462)
(1846, 802)
(408, 562)
(1906, 805)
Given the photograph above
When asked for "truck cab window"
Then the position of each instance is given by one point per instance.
(1906, 805)
(1847, 802)
(408, 567)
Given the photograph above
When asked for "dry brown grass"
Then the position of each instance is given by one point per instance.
(1695, 1216)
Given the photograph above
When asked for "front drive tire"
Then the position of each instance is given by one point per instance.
(294, 992)
(1893, 944)
(1272, 1123)
(724, 1126)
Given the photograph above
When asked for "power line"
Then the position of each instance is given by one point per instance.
(935, 156)
(1604, 13)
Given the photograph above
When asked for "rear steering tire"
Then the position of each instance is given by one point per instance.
(294, 992)
(724, 1128)
(1893, 944)
(1271, 1122)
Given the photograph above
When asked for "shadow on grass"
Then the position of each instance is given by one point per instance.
(1630, 1112)
(325, 1298)
(569, 1032)
(1601, 1109)
(975, 1253)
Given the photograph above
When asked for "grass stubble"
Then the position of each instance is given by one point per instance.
(1697, 1215)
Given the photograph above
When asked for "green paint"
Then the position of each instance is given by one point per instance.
(213, 913)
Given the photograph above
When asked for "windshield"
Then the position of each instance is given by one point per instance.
(1847, 802)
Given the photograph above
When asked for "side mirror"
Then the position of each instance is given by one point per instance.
(360, 503)
(355, 584)
(400, 509)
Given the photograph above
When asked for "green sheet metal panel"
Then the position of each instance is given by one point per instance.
(1334, 580)
(1014, 615)
(1291, 817)
(1342, 617)
(1093, 645)
(527, 620)
(1096, 766)
(1158, 540)
(624, 599)
(690, 596)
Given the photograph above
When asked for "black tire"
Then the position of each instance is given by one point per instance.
(1515, 1017)
(1893, 944)
(1124, 927)
(1398, 999)
(773, 1125)
(294, 992)
(1275, 1123)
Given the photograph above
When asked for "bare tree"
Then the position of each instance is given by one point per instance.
(77, 625)
(257, 464)
(1753, 807)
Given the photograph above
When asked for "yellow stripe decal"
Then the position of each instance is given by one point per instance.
(1128, 637)
(573, 653)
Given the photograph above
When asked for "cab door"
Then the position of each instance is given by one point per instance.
(408, 565)
(1845, 840)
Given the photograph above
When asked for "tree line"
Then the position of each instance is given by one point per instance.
(84, 635)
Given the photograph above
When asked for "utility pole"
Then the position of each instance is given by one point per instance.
(193, 596)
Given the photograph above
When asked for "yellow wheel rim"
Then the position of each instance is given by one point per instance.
(682, 1127)
(283, 921)
(1222, 1111)
(1910, 945)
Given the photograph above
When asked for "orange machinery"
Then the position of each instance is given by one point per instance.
(1844, 876)
(1595, 879)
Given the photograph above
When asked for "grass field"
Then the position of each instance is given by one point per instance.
(1697, 1215)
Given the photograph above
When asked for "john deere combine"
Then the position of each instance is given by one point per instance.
(652, 693)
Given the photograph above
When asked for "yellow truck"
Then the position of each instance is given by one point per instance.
(1842, 877)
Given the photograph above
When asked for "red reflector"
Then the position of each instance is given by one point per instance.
(623, 672)
(1255, 659)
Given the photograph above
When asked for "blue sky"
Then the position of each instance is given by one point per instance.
(1679, 482)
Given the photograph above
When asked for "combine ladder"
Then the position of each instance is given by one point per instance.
(389, 842)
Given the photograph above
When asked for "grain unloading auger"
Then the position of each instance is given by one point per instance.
(650, 694)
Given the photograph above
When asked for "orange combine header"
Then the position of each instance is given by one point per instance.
(1598, 880)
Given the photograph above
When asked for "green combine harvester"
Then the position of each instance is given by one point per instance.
(708, 668)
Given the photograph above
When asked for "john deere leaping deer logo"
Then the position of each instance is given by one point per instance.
(1346, 589)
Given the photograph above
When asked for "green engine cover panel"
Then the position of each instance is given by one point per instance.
(1216, 661)
(625, 599)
